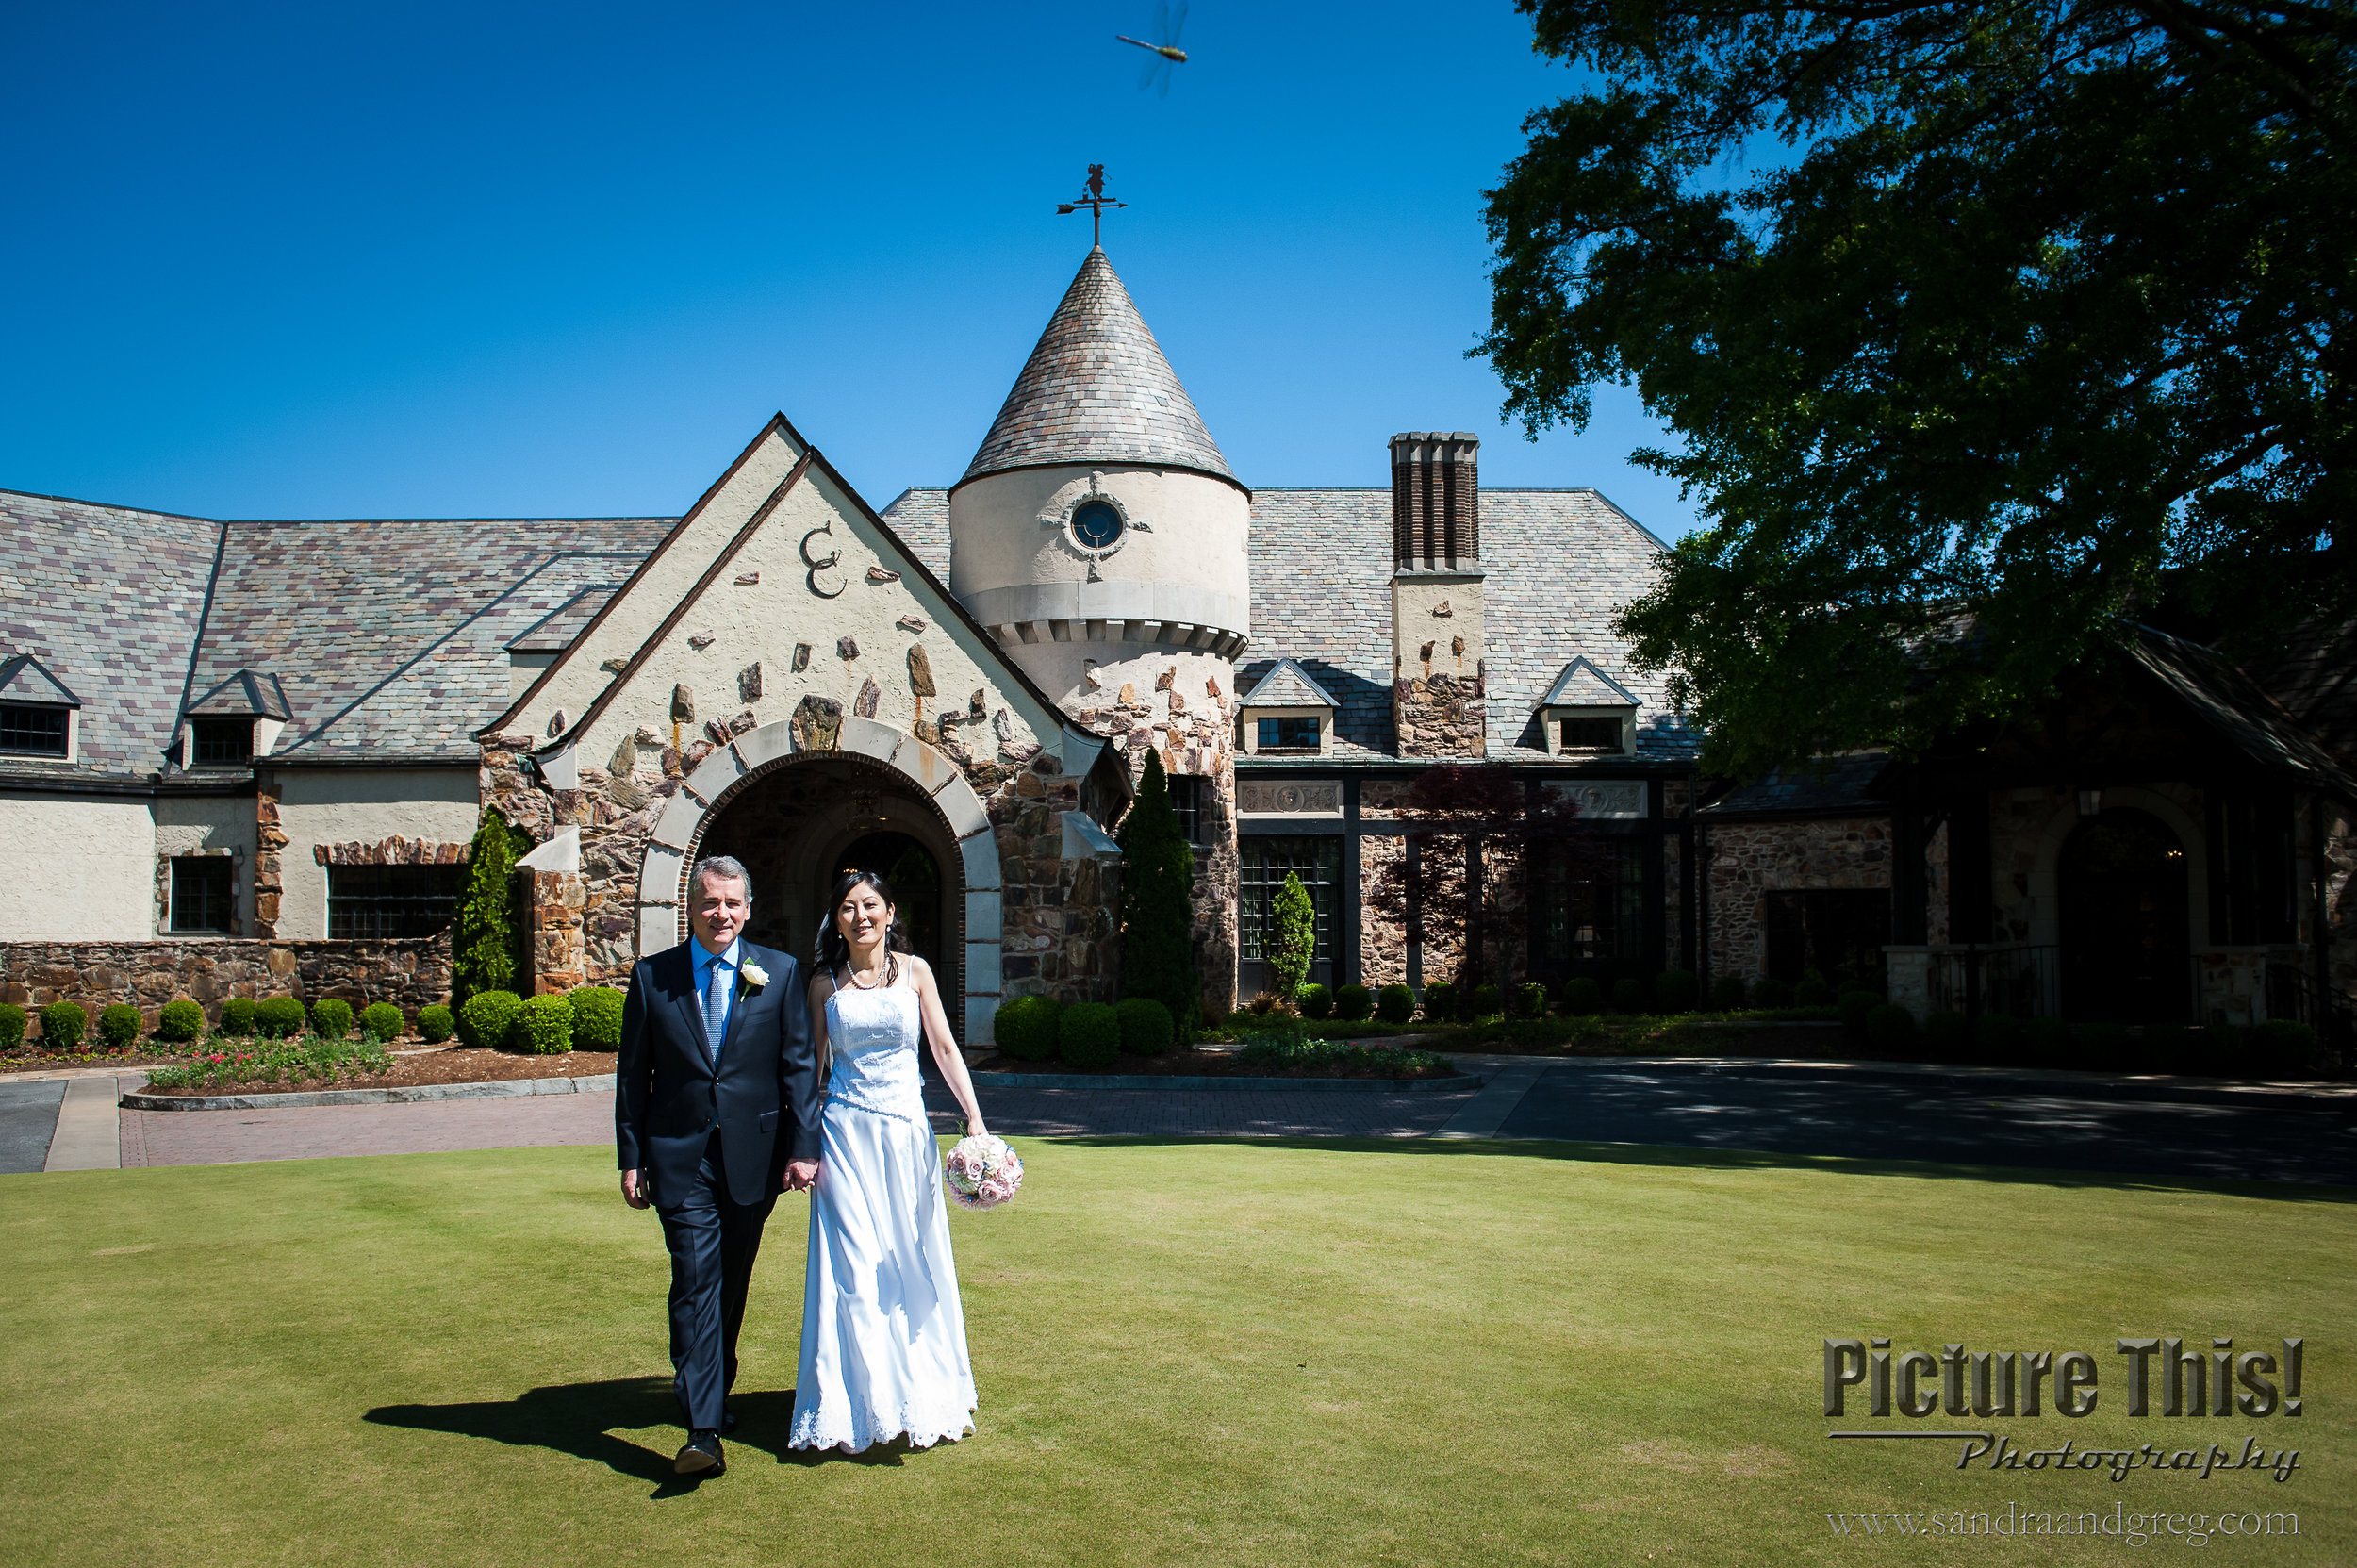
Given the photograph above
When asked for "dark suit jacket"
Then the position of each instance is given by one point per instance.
(764, 1099)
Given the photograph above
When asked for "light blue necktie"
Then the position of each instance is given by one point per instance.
(715, 1006)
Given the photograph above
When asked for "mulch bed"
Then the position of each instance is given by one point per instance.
(41, 1061)
(1191, 1063)
(457, 1065)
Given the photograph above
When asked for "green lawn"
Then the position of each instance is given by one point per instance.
(1187, 1352)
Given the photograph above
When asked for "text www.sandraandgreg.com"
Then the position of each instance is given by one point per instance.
(2016, 1522)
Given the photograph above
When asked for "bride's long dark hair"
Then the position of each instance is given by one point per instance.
(835, 949)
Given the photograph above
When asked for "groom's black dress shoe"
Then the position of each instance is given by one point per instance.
(701, 1456)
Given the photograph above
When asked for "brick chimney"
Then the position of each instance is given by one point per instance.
(1438, 703)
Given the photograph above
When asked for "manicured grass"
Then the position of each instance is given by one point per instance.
(1188, 1353)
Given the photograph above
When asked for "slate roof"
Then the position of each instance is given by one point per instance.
(25, 679)
(387, 638)
(1286, 685)
(1559, 563)
(109, 599)
(2233, 703)
(247, 694)
(2313, 673)
(554, 632)
(1096, 390)
(1847, 783)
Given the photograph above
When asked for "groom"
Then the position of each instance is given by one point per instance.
(716, 1109)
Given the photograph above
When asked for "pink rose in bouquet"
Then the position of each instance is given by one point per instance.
(982, 1173)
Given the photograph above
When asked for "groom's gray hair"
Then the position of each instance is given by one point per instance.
(727, 866)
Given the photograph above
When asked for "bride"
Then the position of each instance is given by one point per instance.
(884, 1335)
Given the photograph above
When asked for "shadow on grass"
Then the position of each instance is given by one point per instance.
(581, 1419)
(1683, 1157)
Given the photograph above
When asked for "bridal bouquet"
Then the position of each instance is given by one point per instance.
(983, 1172)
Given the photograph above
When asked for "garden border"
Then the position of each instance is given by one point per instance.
(499, 1089)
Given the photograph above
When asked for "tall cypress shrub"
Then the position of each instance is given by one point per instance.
(1158, 904)
(1296, 937)
(485, 949)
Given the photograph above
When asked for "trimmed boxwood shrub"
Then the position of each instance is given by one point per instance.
(1949, 1035)
(2002, 1038)
(1888, 1028)
(12, 1021)
(484, 1021)
(1355, 1003)
(1530, 1000)
(1488, 1001)
(544, 1026)
(1727, 994)
(332, 1017)
(1314, 1000)
(1146, 1026)
(436, 1024)
(1088, 1034)
(1628, 994)
(279, 1017)
(596, 1018)
(119, 1025)
(382, 1020)
(2284, 1048)
(1396, 1004)
(1025, 1027)
(2106, 1048)
(1440, 1001)
(61, 1026)
(1676, 990)
(2047, 1042)
(1582, 998)
(1771, 992)
(236, 1017)
(181, 1020)
(1854, 1006)
(1815, 990)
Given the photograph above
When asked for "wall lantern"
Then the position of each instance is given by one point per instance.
(2090, 803)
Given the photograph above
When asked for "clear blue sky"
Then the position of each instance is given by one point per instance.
(496, 260)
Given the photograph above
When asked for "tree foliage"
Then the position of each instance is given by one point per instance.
(2038, 304)
(1296, 917)
(1158, 903)
(486, 944)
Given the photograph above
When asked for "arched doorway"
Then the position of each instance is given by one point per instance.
(798, 824)
(2126, 948)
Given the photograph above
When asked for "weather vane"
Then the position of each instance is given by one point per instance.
(1095, 201)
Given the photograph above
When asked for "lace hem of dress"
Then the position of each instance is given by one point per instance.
(824, 1429)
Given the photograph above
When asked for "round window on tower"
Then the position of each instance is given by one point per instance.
(1095, 525)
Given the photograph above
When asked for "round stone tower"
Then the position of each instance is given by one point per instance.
(1102, 539)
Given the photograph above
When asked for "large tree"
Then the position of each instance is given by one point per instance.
(1980, 325)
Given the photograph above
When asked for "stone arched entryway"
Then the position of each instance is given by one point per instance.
(875, 779)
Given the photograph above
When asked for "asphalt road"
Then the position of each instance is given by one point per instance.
(29, 1114)
(2050, 1123)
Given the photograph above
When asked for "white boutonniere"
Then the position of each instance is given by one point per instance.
(755, 976)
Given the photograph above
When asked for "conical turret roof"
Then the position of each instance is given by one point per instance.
(1098, 389)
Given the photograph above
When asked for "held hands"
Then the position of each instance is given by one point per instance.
(800, 1175)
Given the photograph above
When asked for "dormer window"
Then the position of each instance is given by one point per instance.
(1288, 733)
(33, 729)
(1285, 714)
(1590, 734)
(1588, 714)
(221, 742)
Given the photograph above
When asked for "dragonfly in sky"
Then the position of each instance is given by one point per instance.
(1168, 21)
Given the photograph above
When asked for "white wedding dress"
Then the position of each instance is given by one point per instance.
(883, 1332)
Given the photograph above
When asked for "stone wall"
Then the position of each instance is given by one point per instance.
(270, 880)
(391, 851)
(1441, 715)
(410, 972)
(2340, 899)
(1749, 860)
(556, 957)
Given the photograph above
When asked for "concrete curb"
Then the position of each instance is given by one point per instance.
(2156, 1087)
(506, 1089)
(88, 1135)
(1458, 1085)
